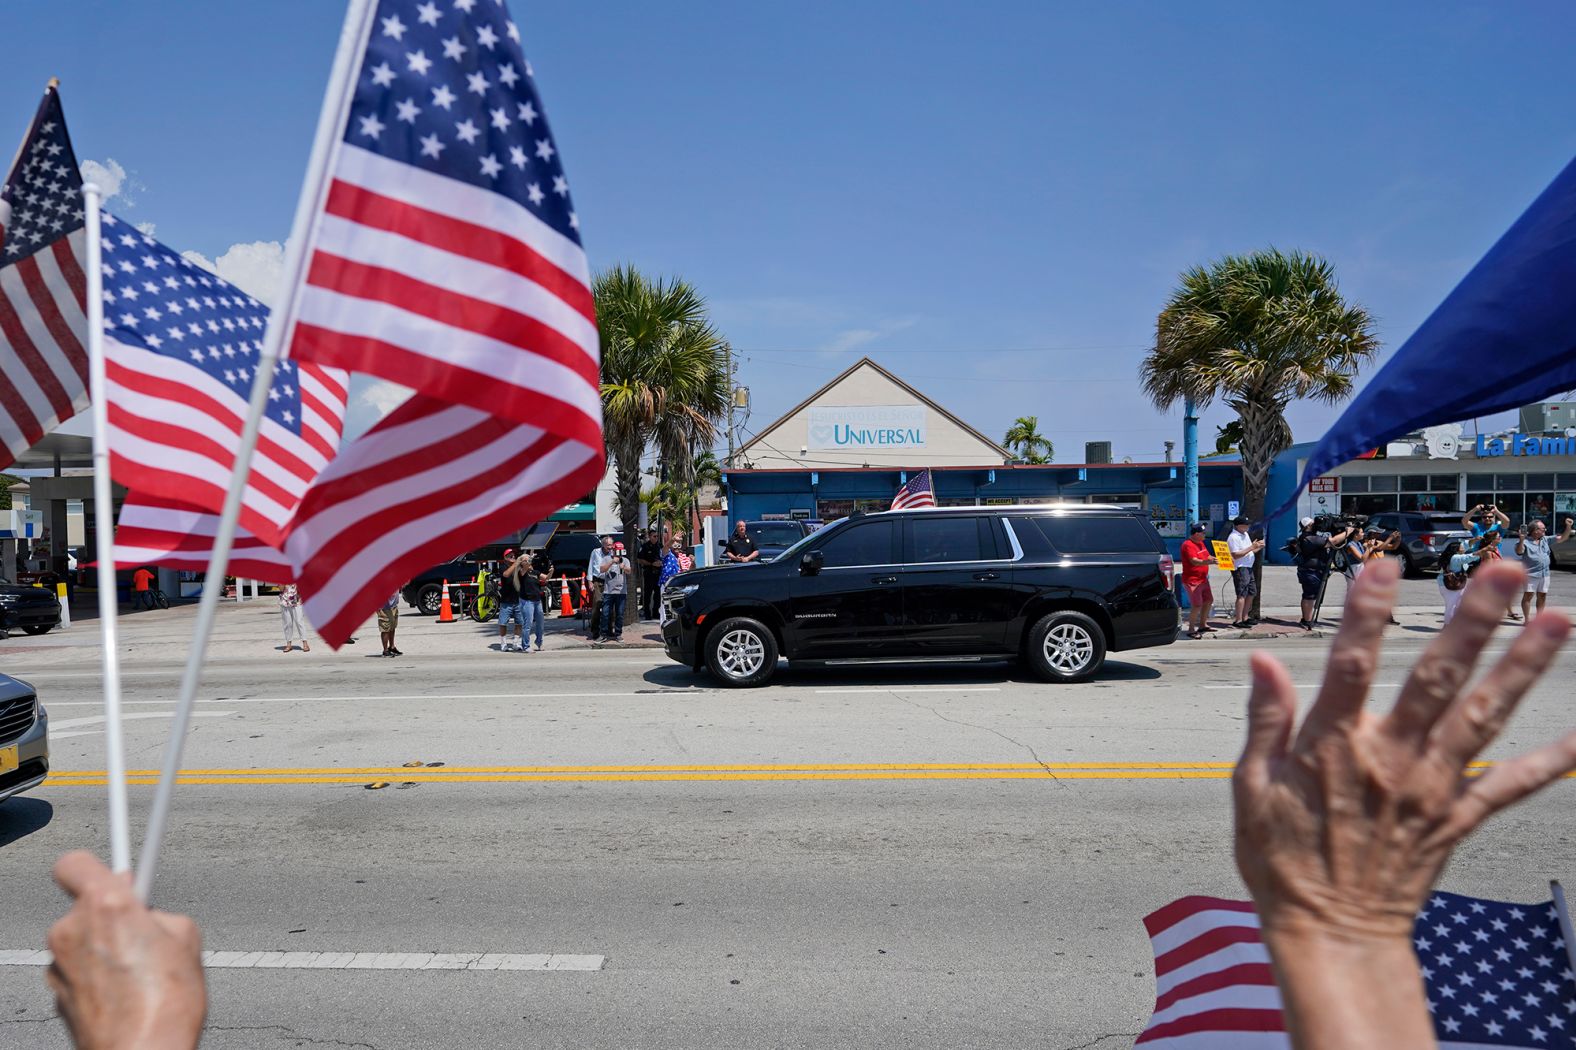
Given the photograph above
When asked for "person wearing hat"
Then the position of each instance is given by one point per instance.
(510, 612)
(1196, 561)
(1313, 564)
(1244, 551)
(615, 590)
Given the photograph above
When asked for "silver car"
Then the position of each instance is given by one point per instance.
(24, 738)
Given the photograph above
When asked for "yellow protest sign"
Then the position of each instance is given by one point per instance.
(1223, 555)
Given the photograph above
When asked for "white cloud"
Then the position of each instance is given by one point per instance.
(851, 339)
(146, 228)
(370, 400)
(256, 268)
(114, 181)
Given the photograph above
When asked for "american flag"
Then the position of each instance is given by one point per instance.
(43, 292)
(446, 258)
(917, 493)
(154, 531)
(180, 346)
(1496, 975)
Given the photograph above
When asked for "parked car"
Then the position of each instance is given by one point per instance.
(1562, 555)
(774, 537)
(1423, 535)
(35, 610)
(425, 591)
(24, 737)
(1057, 588)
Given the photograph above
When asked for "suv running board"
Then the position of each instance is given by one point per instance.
(911, 660)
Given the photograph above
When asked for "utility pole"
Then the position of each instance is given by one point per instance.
(1190, 459)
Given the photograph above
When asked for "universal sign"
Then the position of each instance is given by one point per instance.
(867, 427)
(1525, 445)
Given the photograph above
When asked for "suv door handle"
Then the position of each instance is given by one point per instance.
(883, 579)
(987, 575)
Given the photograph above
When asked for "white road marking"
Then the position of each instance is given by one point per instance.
(914, 689)
(359, 960)
(98, 720)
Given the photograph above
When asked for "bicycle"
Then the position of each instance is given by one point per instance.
(484, 607)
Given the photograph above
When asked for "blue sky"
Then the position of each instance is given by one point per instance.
(1010, 188)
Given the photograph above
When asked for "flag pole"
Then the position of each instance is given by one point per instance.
(104, 537)
(330, 126)
(1564, 913)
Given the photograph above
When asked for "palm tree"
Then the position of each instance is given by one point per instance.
(1024, 438)
(664, 378)
(1258, 332)
(1228, 437)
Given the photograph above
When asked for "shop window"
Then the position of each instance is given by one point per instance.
(1509, 482)
(1382, 483)
(1354, 483)
(1567, 482)
(1539, 481)
(1427, 502)
(1444, 482)
(1540, 505)
(1475, 499)
(1368, 504)
(1511, 504)
(1414, 482)
(830, 510)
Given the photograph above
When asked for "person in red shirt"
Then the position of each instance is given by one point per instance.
(1196, 561)
(141, 589)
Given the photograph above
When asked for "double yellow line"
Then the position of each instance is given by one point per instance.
(425, 773)
(442, 774)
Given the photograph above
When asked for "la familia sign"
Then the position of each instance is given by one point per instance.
(1525, 445)
(867, 426)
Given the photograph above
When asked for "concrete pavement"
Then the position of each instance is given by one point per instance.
(901, 858)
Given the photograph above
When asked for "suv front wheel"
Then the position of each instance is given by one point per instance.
(1065, 647)
(741, 652)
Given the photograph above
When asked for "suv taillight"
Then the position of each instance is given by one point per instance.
(1426, 539)
(1167, 569)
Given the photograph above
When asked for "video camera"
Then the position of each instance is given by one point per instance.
(1331, 524)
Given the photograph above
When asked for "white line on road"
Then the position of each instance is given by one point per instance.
(914, 689)
(98, 720)
(359, 960)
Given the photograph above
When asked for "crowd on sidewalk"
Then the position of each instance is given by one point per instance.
(1324, 549)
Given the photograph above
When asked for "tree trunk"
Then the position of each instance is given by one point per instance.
(626, 474)
(1263, 430)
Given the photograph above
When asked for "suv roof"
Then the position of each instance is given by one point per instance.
(1091, 509)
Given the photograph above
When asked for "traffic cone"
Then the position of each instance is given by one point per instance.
(565, 608)
(445, 610)
(585, 594)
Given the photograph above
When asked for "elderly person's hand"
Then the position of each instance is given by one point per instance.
(1343, 826)
(125, 977)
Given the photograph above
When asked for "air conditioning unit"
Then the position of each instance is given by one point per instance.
(1548, 417)
(1097, 452)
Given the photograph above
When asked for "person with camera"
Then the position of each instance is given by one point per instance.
(1313, 552)
(1533, 548)
(1244, 551)
(1487, 534)
(511, 609)
(615, 589)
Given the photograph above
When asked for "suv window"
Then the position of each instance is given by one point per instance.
(948, 538)
(1383, 521)
(869, 543)
(773, 534)
(1075, 534)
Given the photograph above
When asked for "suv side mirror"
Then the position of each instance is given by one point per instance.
(810, 564)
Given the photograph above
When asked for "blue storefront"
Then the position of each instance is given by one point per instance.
(828, 494)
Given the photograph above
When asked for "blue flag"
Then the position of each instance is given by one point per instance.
(1505, 337)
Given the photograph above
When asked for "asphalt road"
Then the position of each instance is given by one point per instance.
(927, 857)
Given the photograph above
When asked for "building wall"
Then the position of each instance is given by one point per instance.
(945, 444)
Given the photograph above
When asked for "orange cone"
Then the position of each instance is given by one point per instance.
(564, 606)
(445, 610)
(585, 593)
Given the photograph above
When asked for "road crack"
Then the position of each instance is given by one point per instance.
(1097, 1040)
(1029, 748)
(288, 1032)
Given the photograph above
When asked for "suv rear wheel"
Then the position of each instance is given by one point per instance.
(1065, 646)
(741, 652)
(430, 599)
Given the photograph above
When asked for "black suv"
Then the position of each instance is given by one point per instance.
(1057, 587)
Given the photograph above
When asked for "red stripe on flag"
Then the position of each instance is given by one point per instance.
(331, 385)
(1162, 919)
(1236, 1019)
(462, 238)
(450, 382)
(1204, 944)
(71, 270)
(11, 399)
(173, 390)
(380, 284)
(1260, 974)
(32, 359)
(49, 312)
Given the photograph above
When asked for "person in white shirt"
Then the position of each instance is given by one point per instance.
(596, 568)
(1244, 550)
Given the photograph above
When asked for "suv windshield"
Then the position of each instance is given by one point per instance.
(1444, 521)
(774, 533)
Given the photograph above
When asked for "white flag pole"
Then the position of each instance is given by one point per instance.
(104, 538)
(330, 126)
(1564, 913)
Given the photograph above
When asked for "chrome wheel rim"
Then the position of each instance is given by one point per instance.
(1068, 648)
(741, 653)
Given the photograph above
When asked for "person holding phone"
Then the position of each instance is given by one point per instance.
(1534, 550)
(615, 590)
